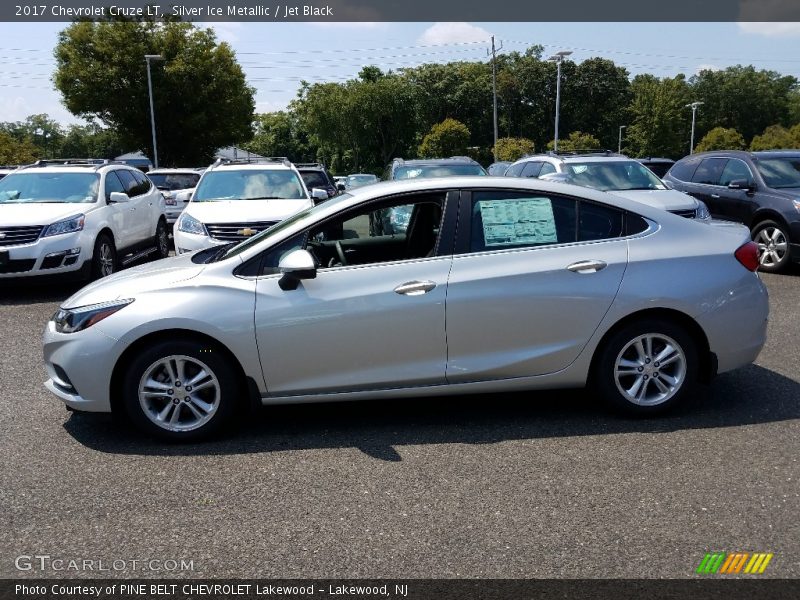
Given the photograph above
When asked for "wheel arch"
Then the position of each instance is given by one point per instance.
(768, 214)
(248, 387)
(708, 363)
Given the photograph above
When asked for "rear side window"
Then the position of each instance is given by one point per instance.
(515, 170)
(684, 170)
(547, 168)
(598, 222)
(532, 169)
(709, 171)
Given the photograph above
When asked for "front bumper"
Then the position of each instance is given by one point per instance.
(55, 255)
(79, 367)
(190, 242)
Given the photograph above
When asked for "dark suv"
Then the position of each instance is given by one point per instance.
(759, 189)
(432, 167)
(316, 176)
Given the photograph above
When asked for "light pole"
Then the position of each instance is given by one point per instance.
(619, 145)
(148, 58)
(694, 106)
(558, 58)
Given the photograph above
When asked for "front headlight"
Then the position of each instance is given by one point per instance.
(702, 211)
(796, 205)
(70, 225)
(70, 320)
(188, 224)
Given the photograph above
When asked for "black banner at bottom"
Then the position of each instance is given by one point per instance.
(410, 589)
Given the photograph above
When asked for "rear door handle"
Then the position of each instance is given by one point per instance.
(587, 266)
(414, 288)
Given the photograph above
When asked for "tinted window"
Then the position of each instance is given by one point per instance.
(314, 179)
(684, 170)
(634, 224)
(547, 168)
(709, 171)
(735, 169)
(599, 222)
(515, 170)
(143, 184)
(174, 181)
(113, 184)
(532, 169)
(503, 220)
(128, 181)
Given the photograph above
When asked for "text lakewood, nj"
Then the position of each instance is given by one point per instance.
(278, 11)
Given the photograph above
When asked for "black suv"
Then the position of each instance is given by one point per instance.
(759, 189)
(315, 175)
(432, 167)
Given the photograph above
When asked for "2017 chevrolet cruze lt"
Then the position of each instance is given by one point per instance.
(496, 284)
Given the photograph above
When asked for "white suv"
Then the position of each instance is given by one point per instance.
(609, 172)
(79, 218)
(236, 199)
(172, 182)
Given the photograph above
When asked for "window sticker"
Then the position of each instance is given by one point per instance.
(518, 222)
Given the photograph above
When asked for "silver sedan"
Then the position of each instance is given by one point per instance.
(496, 284)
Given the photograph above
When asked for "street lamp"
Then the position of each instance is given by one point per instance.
(694, 106)
(558, 58)
(43, 134)
(619, 145)
(148, 58)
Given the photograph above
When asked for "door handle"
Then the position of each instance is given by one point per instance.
(415, 288)
(587, 266)
(715, 195)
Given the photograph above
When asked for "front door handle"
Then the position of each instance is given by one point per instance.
(715, 195)
(415, 288)
(587, 266)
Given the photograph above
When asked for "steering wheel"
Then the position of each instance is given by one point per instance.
(340, 253)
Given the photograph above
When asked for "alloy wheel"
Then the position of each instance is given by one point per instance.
(106, 259)
(772, 246)
(650, 369)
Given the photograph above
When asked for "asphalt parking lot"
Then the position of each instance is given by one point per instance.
(513, 486)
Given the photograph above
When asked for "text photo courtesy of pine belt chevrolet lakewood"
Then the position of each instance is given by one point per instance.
(496, 284)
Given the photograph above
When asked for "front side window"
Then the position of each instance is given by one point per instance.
(49, 188)
(113, 184)
(547, 168)
(532, 169)
(411, 172)
(250, 184)
(735, 170)
(515, 170)
(613, 175)
(780, 172)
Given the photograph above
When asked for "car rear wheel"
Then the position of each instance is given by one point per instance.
(773, 246)
(647, 367)
(180, 391)
(104, 257)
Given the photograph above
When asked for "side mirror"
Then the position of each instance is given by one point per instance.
(319, 194)
(556, 177)
(341, 187)
(116, 197)
(741, 184)
(295, 266)
(183, 196)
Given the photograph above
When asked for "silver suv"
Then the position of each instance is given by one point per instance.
(609, 172)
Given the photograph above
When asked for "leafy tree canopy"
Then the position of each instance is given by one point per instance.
(513, 148)
(448, 138)
(721, 138)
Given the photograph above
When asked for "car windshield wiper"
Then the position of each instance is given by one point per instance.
(222, 251)
(266, 198)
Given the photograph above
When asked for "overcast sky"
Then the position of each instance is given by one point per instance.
(276, 56)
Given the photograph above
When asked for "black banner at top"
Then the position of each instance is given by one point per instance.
(278, 11)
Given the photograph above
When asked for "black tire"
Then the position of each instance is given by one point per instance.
(620, 392)
(161, 240)
(216, 403)
(774, 238)
(104, 256)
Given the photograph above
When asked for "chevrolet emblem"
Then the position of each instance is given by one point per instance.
(247, 231)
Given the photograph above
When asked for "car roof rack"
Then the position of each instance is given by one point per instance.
(95, 163)
(469, 158)
(584, 152)
(253, 161)
(311, 165)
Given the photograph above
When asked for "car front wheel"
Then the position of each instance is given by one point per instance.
(773, 246)
(647, 367)
(104, 257)
(180, 391)
(162, 240)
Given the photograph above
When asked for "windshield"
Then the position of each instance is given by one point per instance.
(357, 180)
(780, 172)
(613, 175)
(51, 188)
(314, 179)
(174, 181)
(438, 171)
(249, 184)
(279, 227)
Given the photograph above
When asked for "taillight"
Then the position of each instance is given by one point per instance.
(747, 254)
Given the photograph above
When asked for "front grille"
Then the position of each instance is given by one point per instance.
(17, 266)
(13, 236)
(689, 214)
(229, 232)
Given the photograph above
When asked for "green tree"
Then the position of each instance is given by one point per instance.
(577, 140)
(279, 134)
(776, 137)
(595, 99)
(202, 101)
(512, 148)
(90, 140)
(658, 117)
(721, 138)
(17, 152)
(448, 138)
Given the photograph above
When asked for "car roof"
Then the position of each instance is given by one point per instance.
(653, 159)
(252, 167)
(466, 160)
(186, 171)
(602, 156)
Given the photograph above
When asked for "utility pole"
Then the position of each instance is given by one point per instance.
(494, 91)
(694, 106)
(148, 58)
(558, 58)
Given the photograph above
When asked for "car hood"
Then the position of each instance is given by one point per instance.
(245, 211)
(130, 282)
(663, 199)
(39, 213)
